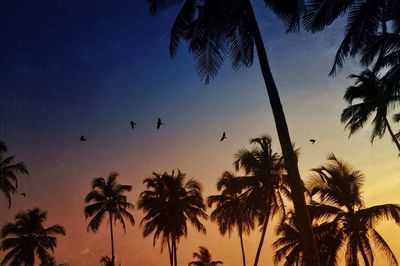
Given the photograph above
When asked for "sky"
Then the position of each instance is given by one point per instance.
(72, 68)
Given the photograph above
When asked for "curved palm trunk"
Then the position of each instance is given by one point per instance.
(395, 140)
(112, 241)
(307, 240)
(264, 231)
(241, 245)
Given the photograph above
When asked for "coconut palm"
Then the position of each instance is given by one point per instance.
(231, 211)
(337, 186)
(264, 183)
(169, 202)
(203, 258)
(366, 31)
(27, 239)
(376, 98)
(9, 172)
(214, 29)
(107, 197)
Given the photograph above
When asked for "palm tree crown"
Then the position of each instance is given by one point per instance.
(107, 197)
(169, 202)
(376, 98)
(9, 172)
(203, 258)
(338, 186)
(27, 238)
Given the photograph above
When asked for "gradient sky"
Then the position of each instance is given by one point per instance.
(71, 68)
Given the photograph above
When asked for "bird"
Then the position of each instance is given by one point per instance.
(83, 138)
(133, 124)
(159, 123)
(23, 194)
(313, 141)
(223, 136)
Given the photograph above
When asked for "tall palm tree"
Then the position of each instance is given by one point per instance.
(231, 210)
(169, 202)
(27, 238)
(376, 98)
(107, 197)
(9, 172)
(367, 28)
(216, 28)
(264, 182)
(337, 186)
(203, 258)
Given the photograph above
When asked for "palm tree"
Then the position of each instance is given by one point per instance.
(376, 98)
(338, 186)
(169, 202)
(214, 29)
(27, 238)
(231, 210)
(9, 172)
(107, 197)
(264, 182)
(367, 30)
(203, 258)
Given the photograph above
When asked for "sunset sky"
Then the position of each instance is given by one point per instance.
(72, 68)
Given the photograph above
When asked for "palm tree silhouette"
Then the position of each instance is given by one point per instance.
(338, 186)
(27, 238)
(231, 210)
(169, 202)
(107, 197)
(264, 182)
(214, 29)
(9, 172)
(367, 28)
(376, 98)
(203, 258)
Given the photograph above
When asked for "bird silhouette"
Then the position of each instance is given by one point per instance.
(159, 123)
(133, 124)
(223, 136)
(313, 141)
(23, 194)
(83, 138)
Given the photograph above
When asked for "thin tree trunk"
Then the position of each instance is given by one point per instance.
(112, 241)
(395, 140)
(241, 244)
(264, 231)
(171, 260)
(307, 241)
(174, 251)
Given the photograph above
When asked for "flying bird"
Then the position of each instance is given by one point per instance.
(133, 124)
(313, 141)
(23, 194)
(223, 136)
(159, 123)
(83, 138)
